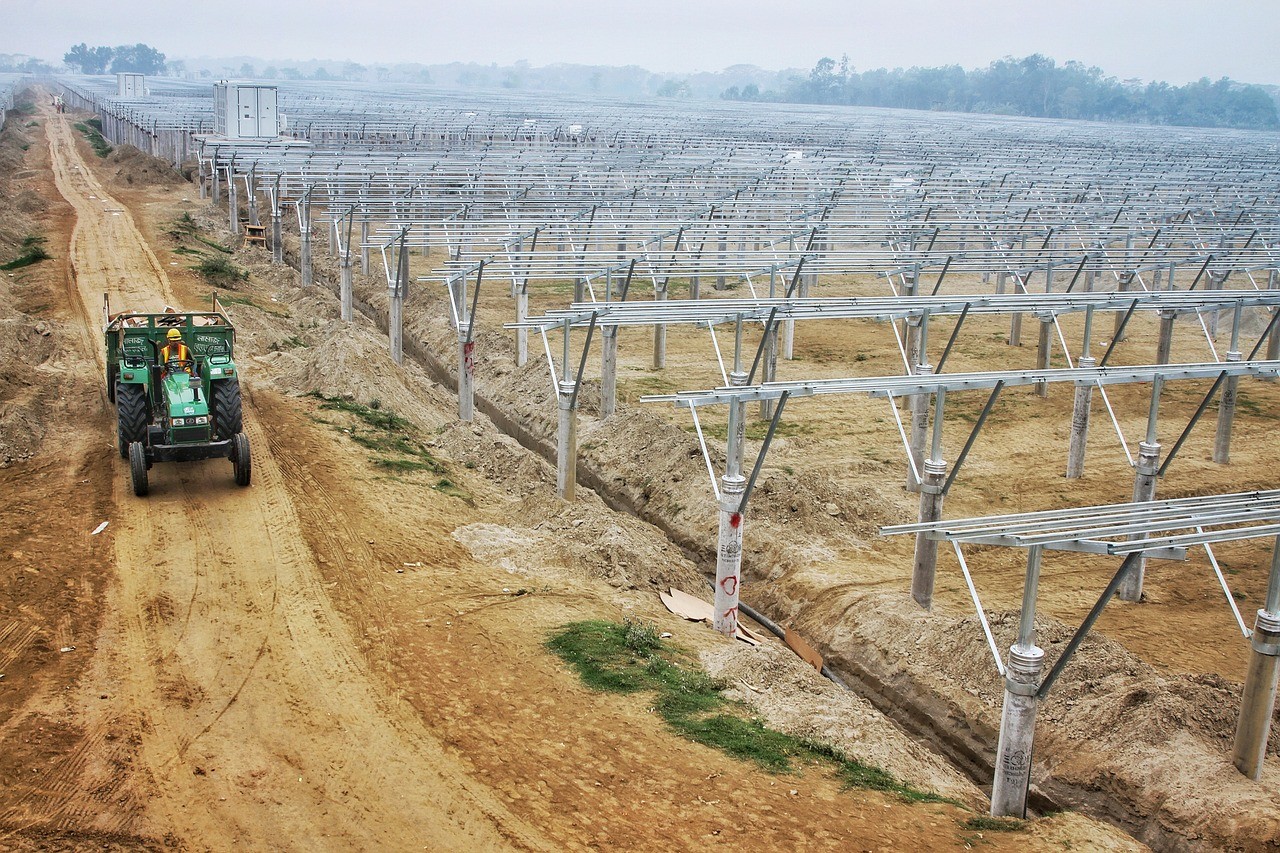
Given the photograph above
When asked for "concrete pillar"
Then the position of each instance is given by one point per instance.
(204, 190)
(216, 194)
(395, 304)
(1257, 704)
(1044, 351)
(1226, 414)
(660, 334)
(1144, 489)
(722, 257)
(925, 567)
(1080, 422)
(566, 444)
(919, 428)
(466, 376)
(233, 205)
(364, 245)
(305, 250)
(729, 540)
(769, 369)
(344, 288)
(395, 326)
(253, 201)
(1017, 732)
(1215, 282)
(277, 237)
(522, 335)
(1164, 343)
(608, 371)
(1018, 718)
(1123, 285)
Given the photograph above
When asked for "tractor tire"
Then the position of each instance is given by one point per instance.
(131, 416)
(138, 468)
(228, 417)
(241, 461)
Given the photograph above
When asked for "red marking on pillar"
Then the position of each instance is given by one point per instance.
(730, 585)
(735, 520)
(469, 362)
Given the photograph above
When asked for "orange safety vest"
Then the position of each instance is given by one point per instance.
(176, 350)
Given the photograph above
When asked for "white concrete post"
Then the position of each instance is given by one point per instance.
(1164, 343)
(919, 428)
(1080, 415)
(660, 334)
(1144, 489)
(608, 371)
(1258, 702)
(1044, 351)
(729, 541)
(364, 245)
(925, 566)
(1018, 717)
(1226, 414)
(304, 261)
(566, 442)
(233, 204)
(277, 236)
(344, 288)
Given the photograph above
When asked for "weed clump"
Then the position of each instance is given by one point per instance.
(31, 252)
(91, 130)
(220, 272)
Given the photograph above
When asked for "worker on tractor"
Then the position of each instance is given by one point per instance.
(174, 355)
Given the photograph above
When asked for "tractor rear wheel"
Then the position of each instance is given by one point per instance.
(228, 418)
(241, 461)
(131, 416)
(138, 468)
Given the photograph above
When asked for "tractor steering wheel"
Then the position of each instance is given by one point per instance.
(179, 364)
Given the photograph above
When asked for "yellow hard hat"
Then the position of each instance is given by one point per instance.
(174, 335)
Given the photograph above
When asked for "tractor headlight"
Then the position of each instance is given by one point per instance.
(179, 422)
(201, 419)
(215, 371)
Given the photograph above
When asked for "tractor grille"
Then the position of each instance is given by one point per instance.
(185, 435)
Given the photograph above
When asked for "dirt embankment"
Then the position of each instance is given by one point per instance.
(1104, 741)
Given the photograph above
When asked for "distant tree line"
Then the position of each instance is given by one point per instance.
(131, 58)
(1031, 86)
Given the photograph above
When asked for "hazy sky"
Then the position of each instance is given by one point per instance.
(1172, 40)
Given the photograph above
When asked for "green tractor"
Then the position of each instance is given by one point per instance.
(180, 410)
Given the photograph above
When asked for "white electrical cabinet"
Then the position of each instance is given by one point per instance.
(245, 111)
(131, 85)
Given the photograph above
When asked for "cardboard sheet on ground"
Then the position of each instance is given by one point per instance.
(697, 610)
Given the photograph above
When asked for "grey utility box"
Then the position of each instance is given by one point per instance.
(245, 111)
(131, 85)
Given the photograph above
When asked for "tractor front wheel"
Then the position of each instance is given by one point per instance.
(131, 416)
(228, 418)
(138, 468)
(241, 461)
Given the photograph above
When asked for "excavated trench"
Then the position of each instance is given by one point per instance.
(968, 743)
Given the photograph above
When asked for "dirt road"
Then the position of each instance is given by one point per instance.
(335, 658)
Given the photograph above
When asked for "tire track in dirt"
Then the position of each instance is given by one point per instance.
(254, 715)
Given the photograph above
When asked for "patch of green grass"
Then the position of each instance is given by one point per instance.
(32, 252)
(26, 108)
(183, 226)
(445, 486)
(291, 342)
(92, 131)
(392, 439)
(219, 271)
(32, 124)
(213, 244)
(630, 658)
(983, 823)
